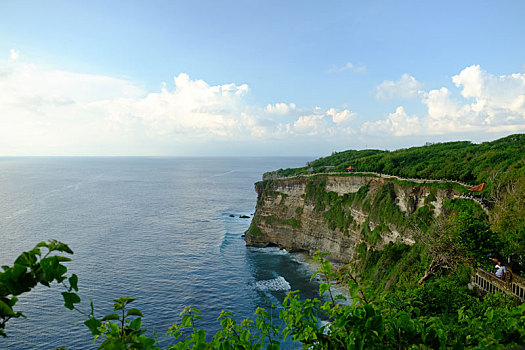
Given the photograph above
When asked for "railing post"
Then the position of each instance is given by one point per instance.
(513, 284)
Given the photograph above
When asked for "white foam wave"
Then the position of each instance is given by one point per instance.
(274, 285)
(269, 250)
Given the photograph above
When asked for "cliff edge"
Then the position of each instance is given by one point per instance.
(336, 213)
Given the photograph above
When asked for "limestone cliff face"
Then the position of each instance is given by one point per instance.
(335, 213)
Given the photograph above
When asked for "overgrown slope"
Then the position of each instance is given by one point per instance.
(461, 160)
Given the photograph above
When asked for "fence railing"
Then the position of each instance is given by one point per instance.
(512, 284)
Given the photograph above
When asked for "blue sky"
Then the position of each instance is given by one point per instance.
(231, 78)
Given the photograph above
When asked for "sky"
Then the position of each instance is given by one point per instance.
(256, 78)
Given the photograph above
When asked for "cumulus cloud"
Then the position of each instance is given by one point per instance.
(487, 103)
(309, 124)
(491, 102)
(329, 122)
(192, 109)
(60, 112)
(51, 112)
(340, 117)
(348, 67)
(280, 108)
(406, 87)
(397, 124)
(495, 96)
(440, 104)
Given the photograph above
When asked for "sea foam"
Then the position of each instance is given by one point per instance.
(274, 285)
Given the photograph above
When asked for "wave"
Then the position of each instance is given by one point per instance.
(269, 250)
(227, 239)
(273, 285)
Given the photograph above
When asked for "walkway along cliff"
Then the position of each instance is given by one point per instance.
(336, 213)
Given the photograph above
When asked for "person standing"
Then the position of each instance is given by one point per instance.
(500, 269)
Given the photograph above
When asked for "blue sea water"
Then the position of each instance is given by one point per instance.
(155, 229)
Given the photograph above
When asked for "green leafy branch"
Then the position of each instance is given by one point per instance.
(119, 328)
(30, 269)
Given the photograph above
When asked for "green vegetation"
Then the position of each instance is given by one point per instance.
(470, 229)
(373, 237)
(30, 269)
(123, 332)
(401, 296)
(508, 217)
(335, 208)
(396, 265)
(443, 313)
(266, 189)
(384, 208)
(431, 197)
(254, 230)
(380, 206)
(337, 217)
(462, 160)
(293, 222)
(315, 190)
(500, 164)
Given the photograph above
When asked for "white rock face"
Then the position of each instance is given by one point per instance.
(343, 185)
(286, 218)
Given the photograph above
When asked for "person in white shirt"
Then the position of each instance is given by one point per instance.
(500, 269)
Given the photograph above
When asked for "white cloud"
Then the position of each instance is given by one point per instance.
(496, 97)
(329, 122)
(440, 104)
(348, 67)
(487, 103)
(51, 112)
(491, 103)
(406, 87)
(308, 124)
(55, 112)
(280, 108)
(397, 124)
(340, 117)
(193, 109)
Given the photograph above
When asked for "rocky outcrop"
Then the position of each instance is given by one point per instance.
(336, 213)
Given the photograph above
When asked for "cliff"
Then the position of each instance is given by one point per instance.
(336, 213)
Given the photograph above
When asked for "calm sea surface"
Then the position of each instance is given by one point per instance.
(156, 229)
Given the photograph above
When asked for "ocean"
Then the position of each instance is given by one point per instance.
(157, 229)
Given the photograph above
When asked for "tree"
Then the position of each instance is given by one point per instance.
(508, 216)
